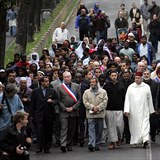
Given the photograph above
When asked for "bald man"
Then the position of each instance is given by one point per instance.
(60, 34)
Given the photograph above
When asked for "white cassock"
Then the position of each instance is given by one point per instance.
(138, 103)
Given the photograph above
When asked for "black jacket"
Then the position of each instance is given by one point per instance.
(40, 109)
(116, 95)
(154, 86)
(10, 139)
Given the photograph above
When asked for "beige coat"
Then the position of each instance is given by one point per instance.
(90, 100)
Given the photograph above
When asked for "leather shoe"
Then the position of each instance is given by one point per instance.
(38, 150)
(63, 149)
(69, 148)
(145, 145)
(91, 148)
(81, 143)
(57, 145)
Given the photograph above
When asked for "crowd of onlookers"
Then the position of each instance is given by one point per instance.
(82, 82)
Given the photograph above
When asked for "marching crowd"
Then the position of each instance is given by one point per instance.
(100, 88)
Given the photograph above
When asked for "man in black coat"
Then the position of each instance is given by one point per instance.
(43, 101)
(154, 118)
(82, 109)
(114, 110)
(126, 80)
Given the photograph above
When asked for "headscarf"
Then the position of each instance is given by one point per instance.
(34, 61)
(105, 48)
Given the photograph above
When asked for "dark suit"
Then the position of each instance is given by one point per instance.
(154, 119)
(43, 115)
(82, 113)
(68, 120)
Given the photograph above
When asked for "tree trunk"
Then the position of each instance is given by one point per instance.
(21, 36)
(38, 14)
(31, 22)
(3, 28)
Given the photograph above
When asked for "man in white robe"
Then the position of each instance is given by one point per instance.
(138, 107)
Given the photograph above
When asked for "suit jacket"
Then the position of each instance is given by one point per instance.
(131, 14)
(82, 109)
(65, 101)
(55, 84)
(40, 109)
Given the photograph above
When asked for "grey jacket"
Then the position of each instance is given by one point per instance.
(55, 84)
(65, 101)
(144, 11)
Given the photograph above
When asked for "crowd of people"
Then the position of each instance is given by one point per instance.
(100, 88)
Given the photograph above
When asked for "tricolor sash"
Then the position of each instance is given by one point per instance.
(69, 92)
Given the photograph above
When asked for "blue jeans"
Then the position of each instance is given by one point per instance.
(101, 35)
(13, 30)
(95, 129)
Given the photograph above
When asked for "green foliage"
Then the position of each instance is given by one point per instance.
(8, 3)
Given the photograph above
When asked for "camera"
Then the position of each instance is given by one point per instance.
(26, 153)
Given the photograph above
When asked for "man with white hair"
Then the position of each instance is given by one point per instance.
(69, 101)
(25, 94)
(140, 66)
(154, 118)
(60, 34)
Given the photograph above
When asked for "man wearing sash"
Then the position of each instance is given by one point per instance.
(69, 101)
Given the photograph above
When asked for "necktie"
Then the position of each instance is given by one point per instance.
(44, 92)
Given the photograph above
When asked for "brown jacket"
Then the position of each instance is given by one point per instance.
(90, 100)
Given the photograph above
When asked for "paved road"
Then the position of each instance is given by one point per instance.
(124, 152)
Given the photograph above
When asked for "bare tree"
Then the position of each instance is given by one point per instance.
(31, 22)
(38, 8)
(21, 36)
(4, 6)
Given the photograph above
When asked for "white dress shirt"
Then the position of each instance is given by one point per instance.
(60, 35)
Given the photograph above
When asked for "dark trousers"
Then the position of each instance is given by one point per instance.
(68, 128)
(154, 124)
(127, 134)
(82, 34)
(44, 134)
(57, 127)
(81, 122)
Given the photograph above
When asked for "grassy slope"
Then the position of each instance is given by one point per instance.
(38, 35)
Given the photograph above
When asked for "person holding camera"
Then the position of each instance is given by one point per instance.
(15, 142)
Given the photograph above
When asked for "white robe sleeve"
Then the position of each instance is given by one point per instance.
(127, 101)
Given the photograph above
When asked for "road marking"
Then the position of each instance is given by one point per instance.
(149, 153)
